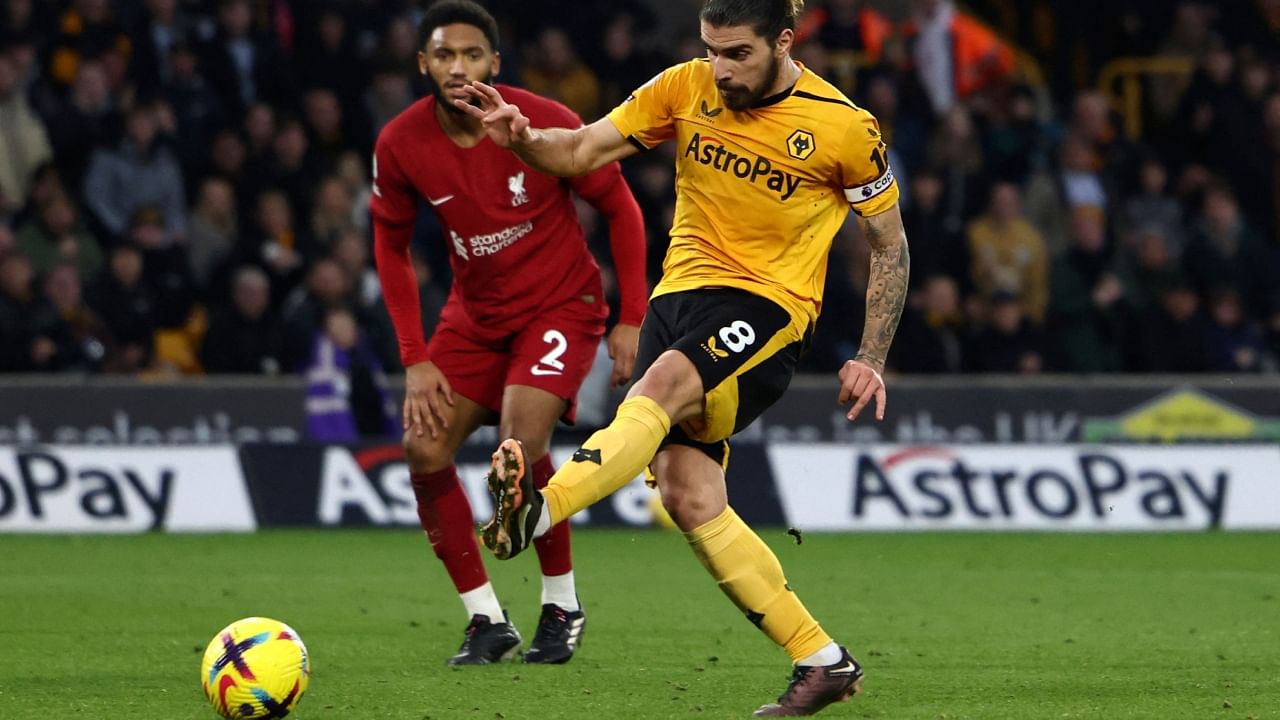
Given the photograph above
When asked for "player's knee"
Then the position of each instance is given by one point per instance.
(689, 508)
(424, 454)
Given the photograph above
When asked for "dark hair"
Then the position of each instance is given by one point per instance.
(768, 18)
(448, 12)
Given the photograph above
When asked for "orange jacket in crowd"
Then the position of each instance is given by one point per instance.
(980, 57)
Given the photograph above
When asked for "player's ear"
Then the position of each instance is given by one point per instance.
(782, 46)
(495, 64)
(422, 62)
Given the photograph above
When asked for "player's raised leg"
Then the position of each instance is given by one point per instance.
(669, 391)
(529, 415)
(692, 484)
(446, 517)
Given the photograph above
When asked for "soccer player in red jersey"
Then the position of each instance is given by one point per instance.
(523, 320)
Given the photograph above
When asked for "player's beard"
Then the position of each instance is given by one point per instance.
(741, 97)
(446, 102)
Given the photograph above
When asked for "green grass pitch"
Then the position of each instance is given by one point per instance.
(981, 626)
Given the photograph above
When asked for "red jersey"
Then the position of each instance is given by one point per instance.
(516, 246)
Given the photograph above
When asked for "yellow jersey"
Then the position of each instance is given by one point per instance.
(759, 193)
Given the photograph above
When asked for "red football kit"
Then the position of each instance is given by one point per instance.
(526, 306)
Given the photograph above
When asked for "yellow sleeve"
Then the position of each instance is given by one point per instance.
(864, 168)
(647, 117)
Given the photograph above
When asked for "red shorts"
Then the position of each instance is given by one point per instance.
(554, 352)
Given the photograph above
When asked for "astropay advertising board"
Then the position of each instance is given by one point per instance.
(1003, 487)
(121, 489)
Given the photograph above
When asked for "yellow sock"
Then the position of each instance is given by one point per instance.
(749, 573)
(609, 459)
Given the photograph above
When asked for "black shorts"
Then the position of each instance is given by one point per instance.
(744, 346)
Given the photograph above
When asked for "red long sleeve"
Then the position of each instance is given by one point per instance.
(400, 288)
(626, 245)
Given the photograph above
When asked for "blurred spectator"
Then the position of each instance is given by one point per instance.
(1258, 178)
(1082, 184)
(197, 113)
(326, 288)
(24, 143)
(56, 236)
(328, 58)
(1174, 337)
(226, 161)
(955, 55)
(390, 92)
(32, 336)
(624, 65)
(347, 396)
(932, 333)
(1007, 254)
(1152, 209)
(125, 303)
(555, 72)
(1088, 317)
(166, 28)
(86, 30)
(956, 150)
(1110, 154)
(1225, 252)
(86, 120)
(273, 243)
(138, 173)
(241, 65)
(351, 252)
(86, 340)
(351, 170)
(1009, 342)
(331, 218)
(331, 134)
(290, 167)
(259, 132)
(1236, 343)
(1015, 140)
(212, 233)
(935, 249)
(8, 244)
(246, 336)
(847, 25)
(1150, 267)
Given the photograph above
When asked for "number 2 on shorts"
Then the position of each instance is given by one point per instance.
(550, 364)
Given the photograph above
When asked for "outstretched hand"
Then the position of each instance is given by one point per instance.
(859, 382)
(503, 122)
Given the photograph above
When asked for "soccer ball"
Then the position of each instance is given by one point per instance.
(255, 668)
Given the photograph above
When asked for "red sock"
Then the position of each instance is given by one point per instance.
(445, 514)
(555, 556)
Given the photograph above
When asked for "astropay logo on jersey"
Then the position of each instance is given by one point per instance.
(991, 487)
(123, 489)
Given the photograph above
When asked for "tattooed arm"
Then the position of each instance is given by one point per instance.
(860, 379)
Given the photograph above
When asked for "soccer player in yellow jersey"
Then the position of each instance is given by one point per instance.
(769, 161)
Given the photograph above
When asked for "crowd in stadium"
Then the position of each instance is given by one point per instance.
(184, 184)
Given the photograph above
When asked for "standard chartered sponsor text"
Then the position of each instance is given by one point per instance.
(495, 242)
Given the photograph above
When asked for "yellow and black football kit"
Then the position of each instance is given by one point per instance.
(759, 196)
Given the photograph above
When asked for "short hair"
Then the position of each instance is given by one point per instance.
(768, 18)
(466, 12)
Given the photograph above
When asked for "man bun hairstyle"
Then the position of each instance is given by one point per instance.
(465, 12)
(768, 18)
